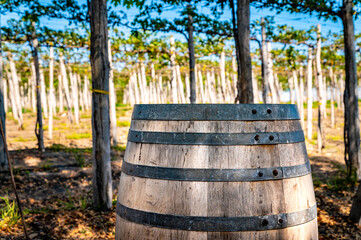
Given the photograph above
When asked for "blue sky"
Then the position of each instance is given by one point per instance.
(299, 21)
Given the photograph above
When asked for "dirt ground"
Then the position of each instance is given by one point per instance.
(55, 187)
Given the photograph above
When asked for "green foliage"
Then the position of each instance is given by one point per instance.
(80, 160)
(314, 136)
(341, 181)
(123, 124)
(62, 148)
(46, 165)
(118, 148)
(75, 136)
(9, 213)
(334, 138)
(316, 182)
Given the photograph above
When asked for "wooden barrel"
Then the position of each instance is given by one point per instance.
(216, 171)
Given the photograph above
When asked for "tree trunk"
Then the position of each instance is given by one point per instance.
(51, 93)
(188, 89)
(332, 91)
(302, 91)
(222, 72)
(209, 88)
(5, 96)
(143, 79)
(12, 97)
(136, 89)
(342, 93)
(43, 94)
(65, 84)
(39, 119)
(297, 90)
(290, 85)
(74, 93)
(180, 87)
(192, 58)
(80, 94)
(85, 92)
(201, 88)
(16, 92)
(269, 75)
(3, 107)
(173, 81)
(102, 177)
(60, 91)
(33, 87)
(352, 128)
(320, 131)
(161, 90)
(234, 77)
(265, 83)
(112, 98)
(255, 88)
(278, 87)
(241, 36)
(309, 94)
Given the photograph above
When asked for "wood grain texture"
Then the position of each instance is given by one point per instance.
(216, 199)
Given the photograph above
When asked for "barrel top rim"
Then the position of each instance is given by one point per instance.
(217, 104)
(215, 112)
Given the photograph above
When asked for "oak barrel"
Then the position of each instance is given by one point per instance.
(216, 171)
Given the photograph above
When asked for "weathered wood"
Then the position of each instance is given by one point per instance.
(112, 98)
(102, 177)
(43, 97)
(242, 38)
(332, 91)
(222, 73)
(3, 110)
(302, 94)
(51, 93)
(309, 93)
(297, 89)
(74, 95)
(265, 84)
(269, 76)
(290, 85)
(201, 88)
(173, 81)
(39, 117)
(192, 58)
(352, 125)
(216, 199)
(181, 98)
(86, 93)
(320, 92)
(65, 85)
(15, 92)
(5, 96)
(255, 88)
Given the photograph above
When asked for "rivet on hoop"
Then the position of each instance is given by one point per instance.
(265, 222)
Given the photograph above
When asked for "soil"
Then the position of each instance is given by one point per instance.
(55, 186)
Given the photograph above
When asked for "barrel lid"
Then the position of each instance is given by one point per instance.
(215, 112)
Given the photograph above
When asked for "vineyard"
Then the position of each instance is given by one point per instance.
(71, 73)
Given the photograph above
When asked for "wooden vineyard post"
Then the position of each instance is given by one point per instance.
(102, 177)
